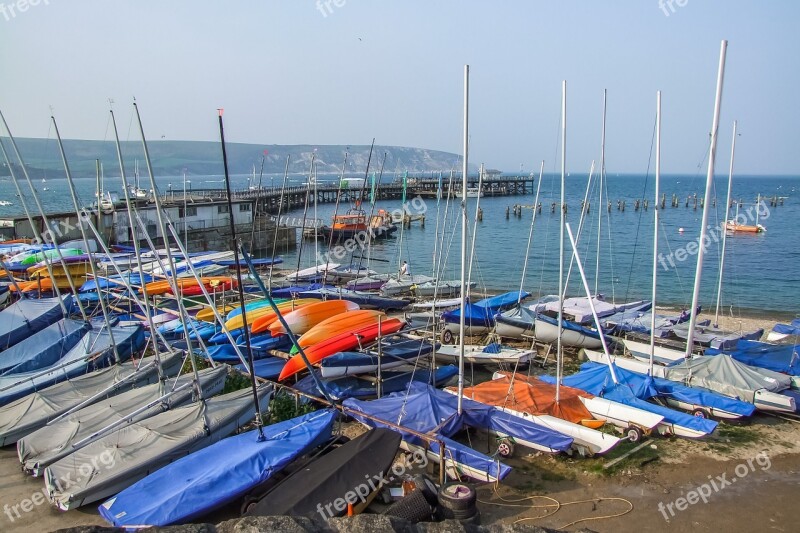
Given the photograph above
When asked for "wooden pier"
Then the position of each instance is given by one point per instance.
(269, 198)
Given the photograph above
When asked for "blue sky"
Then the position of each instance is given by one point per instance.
(288, 74)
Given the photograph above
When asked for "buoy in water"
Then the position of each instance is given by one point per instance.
(680, 230)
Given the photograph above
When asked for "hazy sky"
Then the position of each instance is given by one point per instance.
(296, 72)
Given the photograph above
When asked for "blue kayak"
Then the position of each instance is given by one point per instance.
(219, 474)
(266, 368)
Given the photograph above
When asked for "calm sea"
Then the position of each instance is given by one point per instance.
(759, 270)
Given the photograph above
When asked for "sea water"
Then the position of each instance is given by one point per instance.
(759, 272)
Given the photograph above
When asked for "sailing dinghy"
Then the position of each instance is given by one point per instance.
(135, 451)
(209, 478)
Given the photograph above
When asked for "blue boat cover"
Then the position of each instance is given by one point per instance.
(463, 454)
(135, 279)
(219, 474)
(426, 409)
(793, 394)
(633, 389)
(27, 316)
(364, 299)
(788, 329)
(288, 292)
(96, 343)
(393, 381)
(266, 368)
(43, 348)
(782, 358)
(224, 353)
(482, 313)
(256, 262)
(570, 325)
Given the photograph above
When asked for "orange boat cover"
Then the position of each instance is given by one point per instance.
(530, 395)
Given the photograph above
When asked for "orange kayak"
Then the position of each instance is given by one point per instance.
(44, 284)
(305, 318)
(163, 286)
(348, 340)
(338, 324)
(267, 313)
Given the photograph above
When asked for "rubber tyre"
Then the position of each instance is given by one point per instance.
(427, 487)
(634, 434)
(701, 413)
(457, 496)
(448, 337)
(505, 448)
(463, 515)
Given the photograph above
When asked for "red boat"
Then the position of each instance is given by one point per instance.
(340, 343)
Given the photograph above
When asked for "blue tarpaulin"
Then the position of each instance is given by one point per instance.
(784, 358)
(788, 329)
(219, 474)
(392, 381)
(482, 313)
(43, 348)
(633, 389)
(428, 410)
(27, 316)
(96, 343)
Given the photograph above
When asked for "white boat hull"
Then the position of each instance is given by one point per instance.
(586, 441)
(474, 354)
(548, 333)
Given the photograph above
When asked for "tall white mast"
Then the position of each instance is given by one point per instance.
(725, 226)
(464, 163)
(530, 233)
(561, 294)
(600, 201)
(709, 184)
(655, 231)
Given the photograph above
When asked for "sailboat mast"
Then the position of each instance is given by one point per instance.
(706, 203)
(240, 288)
(655, 231)
(92, 266)
(600, 201)
(464, 166)
(562, 217)
(474, 229)
(725, 226)
(530, 233)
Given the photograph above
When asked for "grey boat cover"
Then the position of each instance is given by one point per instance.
(578, 308)
(727, 376)
(116, 461)
(52, 442)
(25, 415)
(717, 338)
(27, 316)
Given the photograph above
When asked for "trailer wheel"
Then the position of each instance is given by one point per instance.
(447, 337)
(634, 434)
(505, 448)
(700, 413)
